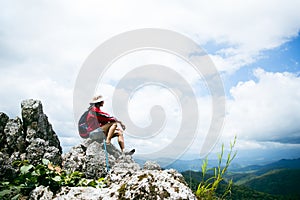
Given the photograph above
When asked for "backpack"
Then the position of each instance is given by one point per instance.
(83, 126)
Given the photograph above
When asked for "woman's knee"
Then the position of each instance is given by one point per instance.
(120, 132)
(114, 125)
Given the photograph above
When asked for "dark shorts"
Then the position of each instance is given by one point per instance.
(97, 134)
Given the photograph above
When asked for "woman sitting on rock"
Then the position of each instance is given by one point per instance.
(100, 122)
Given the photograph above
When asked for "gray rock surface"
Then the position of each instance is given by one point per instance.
(141, 184)
(147, 184)
(13, 147)
(36, 124)
(89, 158)
(3, 120)
(15, 137)
(75, 193)
(30, 138)
(41, 193)
(125, 180)
(151, 165)
(41, 140)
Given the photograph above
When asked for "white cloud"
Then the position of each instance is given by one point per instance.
(56, 98)
(71, 29)
(43, 44)
(267, 109)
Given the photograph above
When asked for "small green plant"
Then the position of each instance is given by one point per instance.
(45, 174)
(207, 187)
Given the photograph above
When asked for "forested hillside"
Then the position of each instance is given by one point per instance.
(279, 180)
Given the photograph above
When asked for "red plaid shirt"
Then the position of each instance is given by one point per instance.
(97, 118)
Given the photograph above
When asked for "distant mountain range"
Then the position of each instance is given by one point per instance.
(277, 180)
(261, 169)
(195, 165)
(238, 192)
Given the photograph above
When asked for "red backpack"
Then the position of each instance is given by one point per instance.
(83, 126)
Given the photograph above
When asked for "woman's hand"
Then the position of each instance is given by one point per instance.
(123, 126)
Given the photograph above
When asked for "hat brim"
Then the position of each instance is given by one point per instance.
(98, 100)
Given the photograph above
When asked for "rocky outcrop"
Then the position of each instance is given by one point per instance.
(89, 158)
(30, 138)
(125, 180)
(147, 184)
(141, 184)
(41, 193)
(3, 121)
(151, 165)
(36, 124)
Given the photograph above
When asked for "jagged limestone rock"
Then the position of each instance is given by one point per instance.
(89, 158)
(151, 165)
(41, 193)
(3, 120)
(35, 151)
(125, 180)
(39, 149)
(140, 184)
(15, 137)
(29, 139)
(31, 111)
(88, 193)
(36, 124)
(95, 160)
(75, 159)
(53, 154)
(7, 171)
(13, 148)
(148, 184)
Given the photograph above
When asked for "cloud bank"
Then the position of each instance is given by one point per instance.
(43, 45)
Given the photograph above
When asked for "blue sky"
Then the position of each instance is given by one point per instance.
(284, 58)
(254, 45)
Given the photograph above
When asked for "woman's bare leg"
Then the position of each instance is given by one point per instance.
(111, 132)
(121, 140)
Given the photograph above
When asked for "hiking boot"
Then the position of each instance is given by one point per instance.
(128, 153)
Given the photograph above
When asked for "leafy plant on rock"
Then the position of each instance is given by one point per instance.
(45, 174)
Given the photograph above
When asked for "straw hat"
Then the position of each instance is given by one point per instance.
(97, 99)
